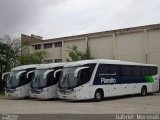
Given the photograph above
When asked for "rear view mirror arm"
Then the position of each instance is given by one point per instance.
(30, 73)
(78, 69)
(4, 74)
(56, 72)
(19, 73)
(46, 73)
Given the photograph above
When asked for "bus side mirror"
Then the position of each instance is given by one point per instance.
(5, 75)
(18, 74)
(30, 73)
(46, 73)
(55, 73)
(79, 69)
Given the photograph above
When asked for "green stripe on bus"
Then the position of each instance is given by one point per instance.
(149, 79)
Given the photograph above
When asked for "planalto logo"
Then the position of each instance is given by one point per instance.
(104, 80)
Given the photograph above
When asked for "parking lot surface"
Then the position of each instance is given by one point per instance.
(126, 104)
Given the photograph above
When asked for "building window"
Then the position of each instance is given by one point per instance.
(37, 47)
(47, 45)
(58, 44)
(48, 61)
(58, 60)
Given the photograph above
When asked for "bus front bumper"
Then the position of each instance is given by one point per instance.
(75, 96)
(40, 95)
(16, 94)
(43, 94)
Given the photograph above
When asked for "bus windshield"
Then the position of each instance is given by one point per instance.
(12, 82)
(38, 80)
(67, 78)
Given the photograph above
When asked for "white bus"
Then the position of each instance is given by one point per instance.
(17, 82)
(45, 81)
(96, 79)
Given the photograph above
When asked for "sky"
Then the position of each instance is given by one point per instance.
(60, 18)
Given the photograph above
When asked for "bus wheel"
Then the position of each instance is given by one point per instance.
(98, 96)
(144, 91)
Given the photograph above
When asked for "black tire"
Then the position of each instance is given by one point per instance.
(144, 91)
(98, 96)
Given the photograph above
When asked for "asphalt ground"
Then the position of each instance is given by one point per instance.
(129, 104)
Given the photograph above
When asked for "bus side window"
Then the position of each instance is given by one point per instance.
(146, 71)
(136, 70)
(23, 79)
(103, 69)
(91, 67)
(115, 69)
(126, 70)
(84, 76)
(50, 78)
(154, 70)
(30, 77)
(58, 74)
(57, 77)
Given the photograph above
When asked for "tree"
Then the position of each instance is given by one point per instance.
(76, 55)
(14, 46)
(7, 57)
(34, 58)
(9, 51)
(14, 43)
(7, 60)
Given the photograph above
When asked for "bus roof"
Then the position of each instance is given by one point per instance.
(23, 67)
(106, 61)
(50, 65)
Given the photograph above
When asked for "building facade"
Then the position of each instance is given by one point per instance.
(136, 44)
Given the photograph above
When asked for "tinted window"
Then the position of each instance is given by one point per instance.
(115, 69)
(91, 67)
(103, 69)
(23, 79)
(146, 71)
(136, 70)
(84, 76)
(126, 70)
(30, 77)
(51, 80)
(154, 70)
